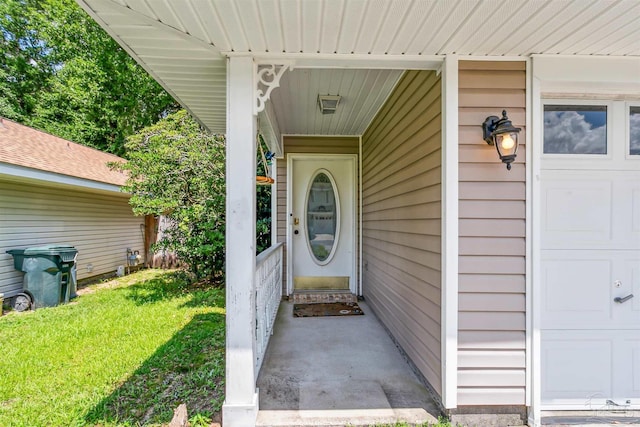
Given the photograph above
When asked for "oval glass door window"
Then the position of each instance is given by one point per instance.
(323, 222)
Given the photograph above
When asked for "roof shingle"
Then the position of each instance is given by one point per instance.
(24, 146)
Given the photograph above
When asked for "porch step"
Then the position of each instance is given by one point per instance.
(338, 403)
(342, 418)
(322, 296)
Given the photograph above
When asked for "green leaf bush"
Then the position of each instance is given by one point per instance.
(177, 169)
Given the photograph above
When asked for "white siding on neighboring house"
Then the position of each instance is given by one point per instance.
(303, 145)
(491, 340)
(401, 176)
(100, 225)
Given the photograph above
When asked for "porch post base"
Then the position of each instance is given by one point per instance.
(240, 415)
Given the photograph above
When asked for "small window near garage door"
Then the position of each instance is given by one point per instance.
(575, 129)
(634, 131)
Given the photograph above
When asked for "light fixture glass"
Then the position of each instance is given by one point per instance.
(507, 142)
(328, 103)
(501, 133)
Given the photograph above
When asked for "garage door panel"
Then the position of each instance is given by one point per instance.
(628, 313)
(634, 267)
(576, 291)
(568, 374)
(627, 231)
(634, 211)
(628, 375)
(591, 209)
(576, 211)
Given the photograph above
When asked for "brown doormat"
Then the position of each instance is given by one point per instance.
(327, 309)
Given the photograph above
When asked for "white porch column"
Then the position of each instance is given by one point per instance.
(450, 234)
(241, 401)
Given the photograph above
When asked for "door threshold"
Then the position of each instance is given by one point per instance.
(322, 296)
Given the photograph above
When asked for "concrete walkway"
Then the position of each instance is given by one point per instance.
(336, 371)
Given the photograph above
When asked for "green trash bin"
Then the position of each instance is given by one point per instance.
(48, 278)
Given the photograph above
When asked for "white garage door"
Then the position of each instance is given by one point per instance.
(590, 238)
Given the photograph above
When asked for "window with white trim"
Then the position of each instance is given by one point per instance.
(575, 129)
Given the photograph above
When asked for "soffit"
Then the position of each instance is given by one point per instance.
(192, 71)
(183, 44)
(404, 27)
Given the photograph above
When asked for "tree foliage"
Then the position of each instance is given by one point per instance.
(177, 169)
(263, 205)
(62, 73)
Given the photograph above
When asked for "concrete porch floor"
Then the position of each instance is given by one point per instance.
(336, 371)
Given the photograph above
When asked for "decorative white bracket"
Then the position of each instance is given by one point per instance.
(268, 79)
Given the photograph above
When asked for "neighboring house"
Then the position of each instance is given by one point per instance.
(509, 290)
(53, 191)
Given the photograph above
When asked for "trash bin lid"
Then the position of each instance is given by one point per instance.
(50, 250)
(15, 252)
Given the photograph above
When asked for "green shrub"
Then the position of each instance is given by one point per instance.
(177, 169)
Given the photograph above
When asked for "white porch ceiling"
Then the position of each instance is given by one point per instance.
(183, 43)
(362, 94)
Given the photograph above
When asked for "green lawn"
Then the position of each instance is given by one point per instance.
(125, 352)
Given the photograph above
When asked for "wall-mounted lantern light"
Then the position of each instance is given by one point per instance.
(328, 103)
(501, 133)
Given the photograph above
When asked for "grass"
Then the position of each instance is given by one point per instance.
(125, 353)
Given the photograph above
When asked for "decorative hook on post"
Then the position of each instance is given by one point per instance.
(268, 79)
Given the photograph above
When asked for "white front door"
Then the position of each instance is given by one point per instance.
(590, 266)
(322, 222)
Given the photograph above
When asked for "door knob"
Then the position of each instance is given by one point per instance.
(620, 300)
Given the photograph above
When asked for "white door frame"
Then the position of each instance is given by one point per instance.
(353, 285)
(556, 77)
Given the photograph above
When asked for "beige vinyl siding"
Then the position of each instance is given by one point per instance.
(401, 176)
(321, 144)
(282, 215)
(101, 226)
(304, 145)
(491, 340)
